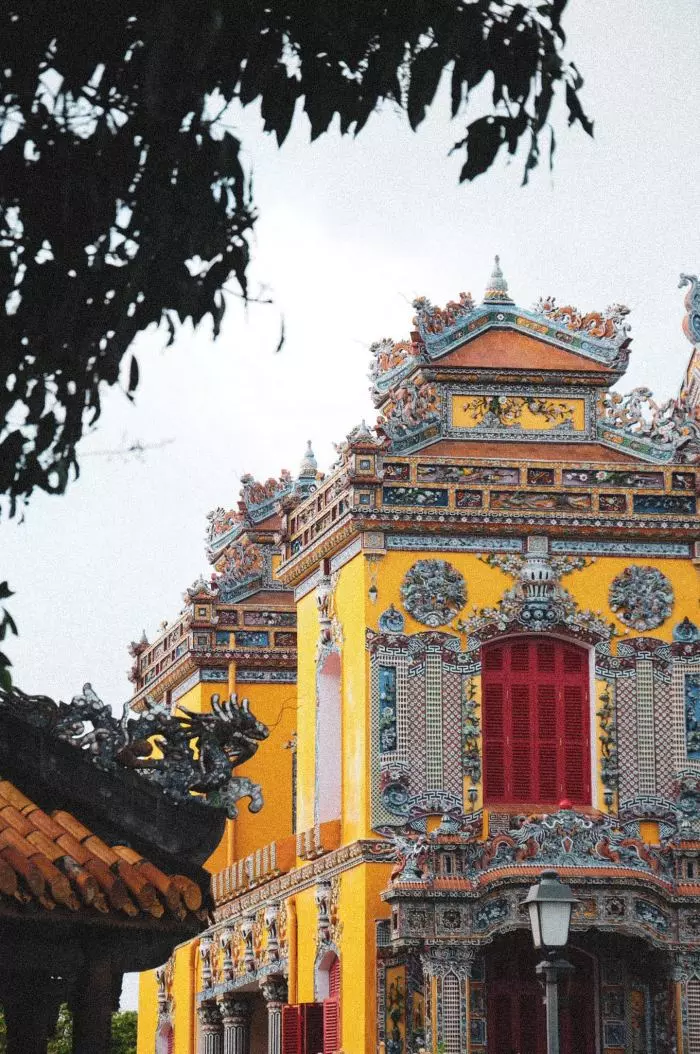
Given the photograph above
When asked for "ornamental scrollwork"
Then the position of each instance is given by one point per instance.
(198, 751)
(433, 592)
(641, 597)
(608, 739)
(471, 734)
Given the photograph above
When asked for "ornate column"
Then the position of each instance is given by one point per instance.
(210, 1030)
(446, 969)
(274, 989)
(235, 1015)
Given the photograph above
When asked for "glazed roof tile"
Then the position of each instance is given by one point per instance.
(57, 862)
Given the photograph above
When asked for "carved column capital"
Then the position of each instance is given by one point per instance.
(686, 966)
(209, 1018)
(274, 990)
(438, 961)
(235, 1010)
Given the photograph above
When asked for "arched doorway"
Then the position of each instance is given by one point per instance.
(535, 713)
(516, 1020)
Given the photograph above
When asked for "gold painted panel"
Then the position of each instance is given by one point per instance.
(519, 412)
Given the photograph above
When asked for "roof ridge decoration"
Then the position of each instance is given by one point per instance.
(659, 432)
(599, 335)
(199, 751)
(691, 322)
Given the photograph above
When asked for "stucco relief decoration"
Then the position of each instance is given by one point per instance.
(691, 322)
(537, 601)
(165, 976)
(433, 592)
(391, 621)
(471, 734)
(412, 405)
(565, 838)
(671, 428)
(608, 740)
(641, 597)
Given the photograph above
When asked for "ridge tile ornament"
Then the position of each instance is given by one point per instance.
(691, 322)
(662, 432)
(198, 751)
(433, 592)
(603, 325)
(641, 597)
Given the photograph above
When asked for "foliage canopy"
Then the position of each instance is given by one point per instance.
(124, 200)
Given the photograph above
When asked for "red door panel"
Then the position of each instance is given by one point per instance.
(536, 722)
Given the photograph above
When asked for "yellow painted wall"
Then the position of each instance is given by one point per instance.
(359, 906)
(271, 767)
(148, 1013)
(307, 638)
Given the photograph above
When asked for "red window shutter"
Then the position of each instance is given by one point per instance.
(311, 1028)
(536, 722)
(334, 980)
(494, 736)
(331, 1030)
(291, 1030)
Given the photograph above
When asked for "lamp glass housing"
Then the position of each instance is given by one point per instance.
(549, 903)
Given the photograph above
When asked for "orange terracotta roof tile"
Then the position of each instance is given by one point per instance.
(58, 862)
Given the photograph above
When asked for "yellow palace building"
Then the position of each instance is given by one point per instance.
(473, 654)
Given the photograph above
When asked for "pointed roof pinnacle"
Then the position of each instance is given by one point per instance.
(497, 288)
(309, 465)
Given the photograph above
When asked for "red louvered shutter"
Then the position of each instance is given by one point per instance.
(291, 1030)
(334, 980)
(311, 1028)
(331, 1011)
(331, 1038)
(494, 739)
(536, 722)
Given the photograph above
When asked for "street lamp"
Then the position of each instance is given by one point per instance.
(550, 902)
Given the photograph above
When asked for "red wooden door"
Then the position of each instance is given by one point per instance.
(516, 1016)
(536, 722)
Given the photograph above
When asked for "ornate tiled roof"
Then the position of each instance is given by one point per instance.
(56, 862)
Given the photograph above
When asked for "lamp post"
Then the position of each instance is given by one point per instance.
(550, 902)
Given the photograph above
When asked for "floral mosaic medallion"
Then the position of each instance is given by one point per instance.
(641, 597)
(433, 592)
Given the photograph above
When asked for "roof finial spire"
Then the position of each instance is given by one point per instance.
(497, 288)
(309, 466)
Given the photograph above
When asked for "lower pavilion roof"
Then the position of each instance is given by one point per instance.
(56, 863)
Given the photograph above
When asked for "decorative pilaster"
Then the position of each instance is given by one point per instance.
(274, 989)
(210, 1029)
(446, 970)
(235, 1016)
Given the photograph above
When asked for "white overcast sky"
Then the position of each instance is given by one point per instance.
(349, 233)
